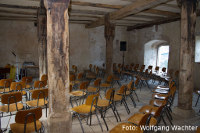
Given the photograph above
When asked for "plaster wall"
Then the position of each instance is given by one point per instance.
(88, 46)
(21, 38)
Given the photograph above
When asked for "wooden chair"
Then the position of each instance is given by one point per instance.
(19, 86)
(27, 121)
(5, 85)
(27, 81)
(11, 102)
(39, 97)
(86, 110)
(108, 83)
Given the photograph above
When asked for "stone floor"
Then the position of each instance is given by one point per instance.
(144, 97)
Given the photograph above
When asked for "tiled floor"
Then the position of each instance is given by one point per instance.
(144, 97)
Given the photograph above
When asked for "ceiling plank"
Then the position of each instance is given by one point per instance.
(133, 8)
(160, 12)
(17, 12)
(15, 17)
(158, 22)
(80, 3)
(19, 7)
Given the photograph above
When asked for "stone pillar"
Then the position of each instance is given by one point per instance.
(187, 49)
(109, 33)
(42, 35)
(59, 118)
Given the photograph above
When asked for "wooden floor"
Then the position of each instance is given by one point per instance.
(144, 97)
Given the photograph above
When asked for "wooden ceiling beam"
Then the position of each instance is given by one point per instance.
(133, 8)
(18, 17)
(80, 3)
(160, 12)
(17, 12)
(88, 12)
(19, 7)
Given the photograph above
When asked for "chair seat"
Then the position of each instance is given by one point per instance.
(117, 97)
(160, 96)
(33, 103)
(105, 85)
(23, 92)
(30, 127)
(77, 93)
(28, 86)
(119, 128)
(91, 89)
(102, 103)
(121, 93)
(83, 109)
(77, 82)
(149, 109)
(157, 102)
(136, 118)
(6, 90)
(12, 107)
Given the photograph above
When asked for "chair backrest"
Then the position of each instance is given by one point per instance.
(70, 88)
(146, 71)
(164, 69)
(150, 67)
(11, 97)
(90, 66)
(90, 99)
(137, 82)
(156, 68)
(144, 119)
(109, 79)
(27, 116)
(16, 86)
(156, 111)
(39, 84)
(40, 93)
(27, 80)
(44, 77)
(130, 85)
(109, 93)
(122, 89)
(97, 82)
(84, 85)
(72, 77)
(5, 83)
(80, 76)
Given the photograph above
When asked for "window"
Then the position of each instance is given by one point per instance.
(163, 56)
(197, 49)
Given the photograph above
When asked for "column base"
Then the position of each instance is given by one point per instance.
(182, 113)
(60, 123)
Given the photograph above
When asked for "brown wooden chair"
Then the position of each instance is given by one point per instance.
(39, 97)
(27, 121)
(27, 81)
(5, 85)
(11, 102)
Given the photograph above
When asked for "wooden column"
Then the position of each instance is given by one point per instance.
(186, 81)
(42, 39)
(109, 33)
(59, 118)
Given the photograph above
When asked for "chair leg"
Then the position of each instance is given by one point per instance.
(197, 101)
(117, 112)
(134, 104)
(90, 118)
(46, 110)
(169, 118)
(98, 120)
(114, 114)
(164, 120)
(126, 106)
(136, 96)
(80, 122)
(104, 119)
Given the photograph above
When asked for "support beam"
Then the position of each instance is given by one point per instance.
(109, 33)
(131, 9)
(186, 80)
(59, 118)
(42, 39)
